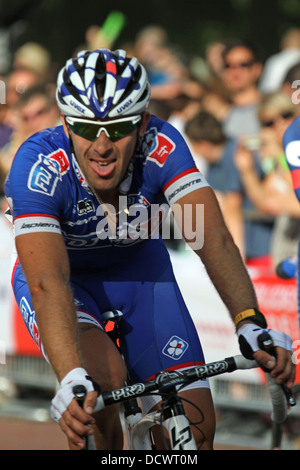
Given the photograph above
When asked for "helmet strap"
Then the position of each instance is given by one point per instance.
(126, 181)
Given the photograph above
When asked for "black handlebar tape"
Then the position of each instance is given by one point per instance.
(79, 392)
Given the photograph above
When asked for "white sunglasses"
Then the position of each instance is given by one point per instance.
(115, 129)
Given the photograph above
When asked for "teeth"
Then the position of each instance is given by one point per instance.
(103, 163)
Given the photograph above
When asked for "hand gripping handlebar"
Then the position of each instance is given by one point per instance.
(281, 397)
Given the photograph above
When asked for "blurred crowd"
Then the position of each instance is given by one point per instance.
(231, 107)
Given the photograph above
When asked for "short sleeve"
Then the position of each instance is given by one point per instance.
(35, 187)
(291, 144)
(171, 165)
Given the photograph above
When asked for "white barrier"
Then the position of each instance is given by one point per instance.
(6, 297)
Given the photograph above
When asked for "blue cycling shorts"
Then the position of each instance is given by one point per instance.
(157, 331)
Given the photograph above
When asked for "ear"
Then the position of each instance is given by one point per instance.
(145, 121)
(66, 129)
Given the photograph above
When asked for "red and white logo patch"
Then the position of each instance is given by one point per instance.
(160, 149)
(62, 159)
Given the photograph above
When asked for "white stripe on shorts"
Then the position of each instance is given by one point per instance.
(83, 317)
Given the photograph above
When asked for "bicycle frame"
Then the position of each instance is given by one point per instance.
(178, 425)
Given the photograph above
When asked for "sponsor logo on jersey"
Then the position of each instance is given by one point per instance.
(61, 158)
(175, 348)
(160, 148)
(293, 158)
(136, 198)
(73, 241)
(36, 223)
(29, 319)
(85, 206)
(47, 171)
(184, 183)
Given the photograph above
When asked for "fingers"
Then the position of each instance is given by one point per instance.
(90, 402)
(75, 430)
(76, 422)
(282, 369)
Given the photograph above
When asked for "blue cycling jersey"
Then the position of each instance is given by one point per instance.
(291, 143)
(47, 192)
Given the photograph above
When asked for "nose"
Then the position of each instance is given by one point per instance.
(103, 144)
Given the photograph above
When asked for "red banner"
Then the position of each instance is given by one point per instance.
(277, 299)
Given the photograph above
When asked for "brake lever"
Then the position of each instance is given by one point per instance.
(79, 392)
(265, 343)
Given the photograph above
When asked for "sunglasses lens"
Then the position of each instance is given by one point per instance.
(243, 65)
(287, 115)
(87, 131)
(268, 123)
(120, 130)
(115, 131)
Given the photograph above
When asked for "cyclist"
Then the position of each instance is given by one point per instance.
(291, 140)
(66, 191)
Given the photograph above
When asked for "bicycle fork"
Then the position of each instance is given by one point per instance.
(171, 418)
(177, 424)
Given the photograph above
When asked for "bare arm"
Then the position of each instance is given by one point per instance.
(219, 253)
(45, 263)
(227, 271)
(233, 215)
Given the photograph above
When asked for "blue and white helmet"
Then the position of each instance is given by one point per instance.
(123, 83)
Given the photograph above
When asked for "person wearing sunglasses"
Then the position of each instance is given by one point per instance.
(82, 197)
(242, 69)
(273, 195)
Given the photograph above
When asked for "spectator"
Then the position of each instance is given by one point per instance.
(173, 90)
(35, 57)
(150, 49)
(5, 129)
(214, 57)
(182, 108)
(278, 64)
(274, 195)
(18, 82)
(168, 74)
(38, 109)
(207, 142)
(216, 101)
(35, 110)
(291, 83)
(241, 73)
(217, 98)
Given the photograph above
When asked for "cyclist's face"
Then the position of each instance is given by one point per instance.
(103, 162)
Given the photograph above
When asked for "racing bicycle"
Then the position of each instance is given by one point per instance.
(171, 417)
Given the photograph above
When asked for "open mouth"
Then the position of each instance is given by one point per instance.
(104, 169)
